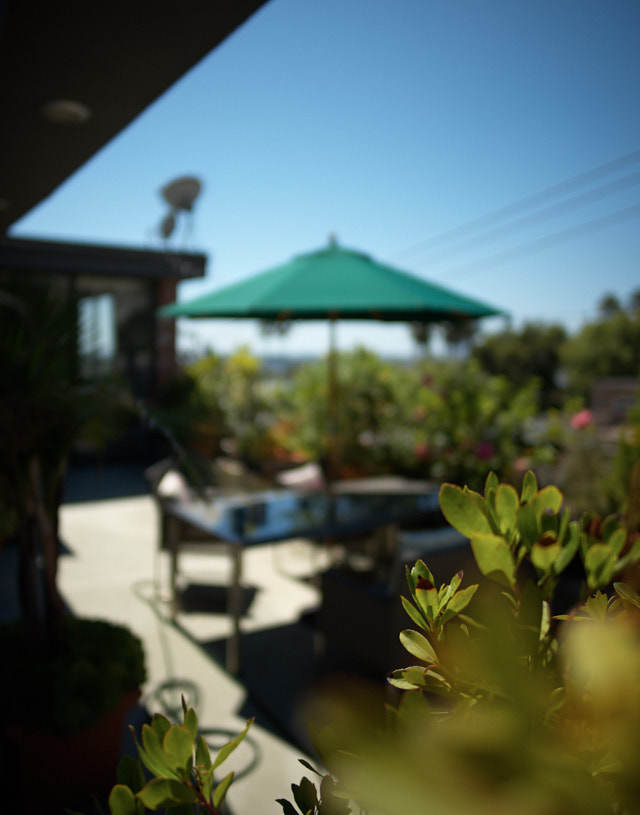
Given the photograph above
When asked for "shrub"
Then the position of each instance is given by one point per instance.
(467, 423)
(373, 399)
(439, 420)
(73, 688)
(179, 770)
(511, 703)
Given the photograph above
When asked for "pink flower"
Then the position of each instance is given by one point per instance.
(484, 450)
(581, 419)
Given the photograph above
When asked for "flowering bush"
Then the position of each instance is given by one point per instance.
(581, 419)
(439, 420)
(216, 400)
(373, 401)
(466, 423)
(442, 420)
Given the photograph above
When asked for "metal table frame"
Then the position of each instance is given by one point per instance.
(176, 515)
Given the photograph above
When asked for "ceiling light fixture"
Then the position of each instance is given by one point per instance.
(66, 112)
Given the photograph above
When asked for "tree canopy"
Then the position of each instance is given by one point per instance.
(533, 351)
(610, 346)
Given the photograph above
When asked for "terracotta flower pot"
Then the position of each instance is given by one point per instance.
(60, 771)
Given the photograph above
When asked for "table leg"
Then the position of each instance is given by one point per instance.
(234, 644)
(172, 545)
(390, 540)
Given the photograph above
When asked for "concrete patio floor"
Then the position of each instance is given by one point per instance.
(112, 570)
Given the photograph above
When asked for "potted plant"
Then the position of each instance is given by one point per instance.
(61, 676)
(66, 711)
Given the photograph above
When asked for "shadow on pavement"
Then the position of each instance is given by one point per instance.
(282, 670)
(95, 483)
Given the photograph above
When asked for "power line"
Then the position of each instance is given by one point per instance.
(544, 214)
(586, 228)
(522, 205)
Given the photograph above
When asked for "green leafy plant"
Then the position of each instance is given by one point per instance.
(370, 412)
(99, 663)
(439, 419)
(507, 529)
(181, 769)
(64, 680)
(466, 422)
(606, 346)
(217, 403)
(525, 353)
(47, 410)
(508, 705)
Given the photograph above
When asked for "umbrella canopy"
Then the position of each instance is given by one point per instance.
(329, 284)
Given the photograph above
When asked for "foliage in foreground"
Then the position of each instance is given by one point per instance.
(181, 767)
(511, 704)
(74, 688)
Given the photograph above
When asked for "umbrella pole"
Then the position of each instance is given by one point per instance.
(332, 406)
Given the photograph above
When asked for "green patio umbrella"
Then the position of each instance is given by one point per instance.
(334, 283)
(329, 284)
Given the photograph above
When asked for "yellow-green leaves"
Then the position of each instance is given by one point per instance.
(179, 761)
(514, 683)
(458, 602)
(151, 753)
(204, 767)
(131, 774)
(605, 554)
(431, 679)
(505, 528)
(495, 559)
(464, 510)
(191, 722)
(630, 597)
(225, 752)
(545, 552)
(416, 616)
(122, 801)
(599, 563)
(548, 499)
(528, 525)
(418, 646)
(507, 504)
(178, 747)
(503, 521)
(433, 607)
(221, 790)
(529, 487)
(162, 793)
(427, 597)
(433, 610)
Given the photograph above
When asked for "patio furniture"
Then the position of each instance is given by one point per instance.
(229, 522)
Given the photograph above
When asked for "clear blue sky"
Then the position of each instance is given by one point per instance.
(388, 123)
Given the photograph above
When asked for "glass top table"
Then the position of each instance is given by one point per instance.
(347, 510)
(275, 515)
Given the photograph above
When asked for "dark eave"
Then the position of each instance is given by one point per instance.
(114, 57)
(23, 255)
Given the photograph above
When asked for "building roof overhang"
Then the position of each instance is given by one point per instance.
(50, 257)
(111, 60)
